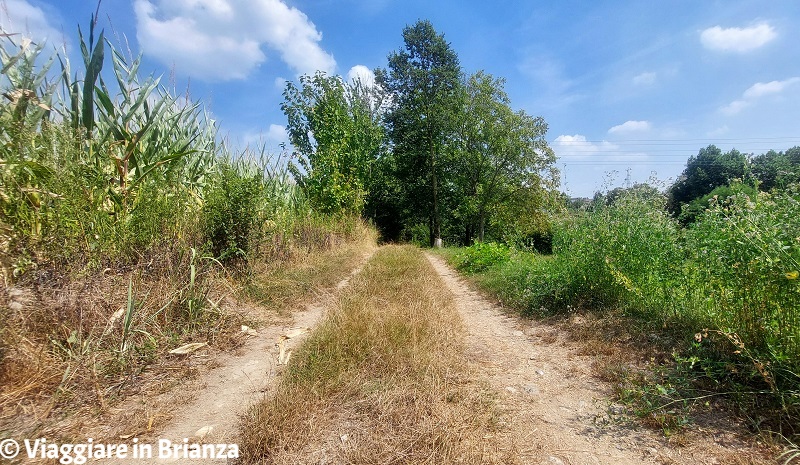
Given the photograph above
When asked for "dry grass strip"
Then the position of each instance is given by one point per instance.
(382, 380)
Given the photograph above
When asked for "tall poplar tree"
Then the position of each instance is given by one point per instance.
(424, 78)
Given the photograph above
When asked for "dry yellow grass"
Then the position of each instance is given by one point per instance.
(382, 380)
(281, 285)
(62, 340)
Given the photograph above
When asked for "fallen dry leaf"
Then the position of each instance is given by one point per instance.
(188, 348)
(294, 332)
(249, 331)
(203, 432)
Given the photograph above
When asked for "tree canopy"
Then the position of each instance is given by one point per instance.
(424, 79)
(336, 131)
(424, 151)
(711, 168)
(504, 156)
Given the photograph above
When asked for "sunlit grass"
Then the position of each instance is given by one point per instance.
(721, 295)
(381, 379)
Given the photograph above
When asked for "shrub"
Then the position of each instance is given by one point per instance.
(482, 255)
(230, 212)
(621, 254)
(694, 209)
(727, 288)
(746, 254)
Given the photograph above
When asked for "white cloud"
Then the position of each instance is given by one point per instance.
(557, 90)
(19, 16)
(578, 146)
(644, 79)
(630, 126)
(736, 39)
(277, 133)
(720, 131)
(225, 39)
(757, 91)
(761, 89)
(363, 73)
(734, 107)
(257, 140)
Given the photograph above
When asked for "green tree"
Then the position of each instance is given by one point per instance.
(708, 170)
(777, 169)
(719, 196)
(336, 130)
(505, 157)
(424, 79)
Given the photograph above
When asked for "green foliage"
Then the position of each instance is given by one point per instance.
(746, 255)
(623, 253)
(424, 79)
(481, 256)
(692, 211)
(504, 161)
(335, 128)
(776, 169)
(734, 272)
(709, 169)
(126, 168)
(230, 211)
(462, 161)
(117, 174)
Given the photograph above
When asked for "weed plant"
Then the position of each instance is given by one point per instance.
(125, 227)
(482, 255)
(724, 290)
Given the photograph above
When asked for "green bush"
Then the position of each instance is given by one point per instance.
(482, 255)
(746, 253)
(726, 291)
(230, 211)
(694, 209)
(620, 254)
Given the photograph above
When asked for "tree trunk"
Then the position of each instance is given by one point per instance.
(436, 230)
(481, 225)
(431, 236)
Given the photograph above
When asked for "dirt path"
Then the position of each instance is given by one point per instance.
(212, 415)
(552, 405)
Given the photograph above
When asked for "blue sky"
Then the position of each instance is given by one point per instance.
(624, 85)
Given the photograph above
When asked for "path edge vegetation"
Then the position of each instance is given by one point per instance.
(713, 307)
(129, 228)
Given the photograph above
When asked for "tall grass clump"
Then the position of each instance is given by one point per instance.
(482, 255)
(230, 211)
(726, 290)
(745, 253)
(626, 253)
(623, 254)
(122, 215)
